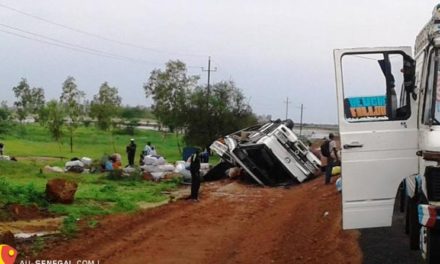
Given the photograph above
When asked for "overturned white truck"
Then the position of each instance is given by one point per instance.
(271, 153)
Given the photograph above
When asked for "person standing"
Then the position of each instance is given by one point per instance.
(332, 158)
(131, 151)
(1, 148)
(195, 175)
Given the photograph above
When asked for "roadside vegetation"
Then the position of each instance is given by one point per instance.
(24, 182)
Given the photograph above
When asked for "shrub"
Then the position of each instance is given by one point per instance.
(26, 194)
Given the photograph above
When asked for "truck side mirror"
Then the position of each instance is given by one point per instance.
(409, 75)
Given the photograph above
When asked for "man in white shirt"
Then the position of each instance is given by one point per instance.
(147, 149)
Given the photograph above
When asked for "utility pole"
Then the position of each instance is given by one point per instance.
(208, 88)
(301, 121)
(208, 93)
(287, 106)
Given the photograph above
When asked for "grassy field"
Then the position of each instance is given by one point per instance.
(33, 140)
(23, 182)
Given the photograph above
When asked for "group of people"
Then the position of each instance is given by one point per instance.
(113, 162)
(149, 150)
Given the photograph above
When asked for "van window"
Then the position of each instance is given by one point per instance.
(373, 87)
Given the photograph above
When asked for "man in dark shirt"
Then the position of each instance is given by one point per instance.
(131, 151)
(195, 175)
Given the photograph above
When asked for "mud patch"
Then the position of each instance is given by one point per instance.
(26, 212)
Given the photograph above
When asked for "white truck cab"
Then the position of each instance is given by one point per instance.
(389, 124)
(270, 153)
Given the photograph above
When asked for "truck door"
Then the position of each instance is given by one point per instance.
(377, 112)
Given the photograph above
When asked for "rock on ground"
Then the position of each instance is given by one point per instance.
(61, 191)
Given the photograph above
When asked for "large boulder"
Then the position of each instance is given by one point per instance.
(7, 238)
(61, 191)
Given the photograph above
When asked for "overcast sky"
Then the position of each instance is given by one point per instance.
(272, 49)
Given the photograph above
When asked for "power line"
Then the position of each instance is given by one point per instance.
(75, 47)
(69, 47)
(96, 35)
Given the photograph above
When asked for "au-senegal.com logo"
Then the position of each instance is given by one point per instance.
(8, 254)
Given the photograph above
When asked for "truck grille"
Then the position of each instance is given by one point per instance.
(432, 175)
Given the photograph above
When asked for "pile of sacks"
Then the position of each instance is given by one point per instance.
(4, 157)
(182, 167)
(158, 168)
(76, 165)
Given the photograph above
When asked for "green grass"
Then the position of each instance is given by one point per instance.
(34, 140)
(23, 182)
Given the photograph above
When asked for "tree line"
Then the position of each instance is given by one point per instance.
(179, 103)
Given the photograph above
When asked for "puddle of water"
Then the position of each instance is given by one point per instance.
(37, 234)
(172, 196)
(32, 226)
(145, 205)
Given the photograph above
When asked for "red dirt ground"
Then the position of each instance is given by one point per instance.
(232, 223)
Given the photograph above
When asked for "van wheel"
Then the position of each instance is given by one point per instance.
(433, 246)
(414, 226)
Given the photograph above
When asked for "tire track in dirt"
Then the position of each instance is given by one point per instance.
(233, 223)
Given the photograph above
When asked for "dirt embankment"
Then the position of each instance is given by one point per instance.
(233, 223)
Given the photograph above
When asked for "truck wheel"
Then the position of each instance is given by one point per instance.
(433, 246)
(407, 216)
(402, 197)
(414, 226)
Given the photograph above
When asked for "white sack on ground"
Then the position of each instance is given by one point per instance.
(204, 166)
(157, 175)
(74, 163)
(87, 161)
(166, 167)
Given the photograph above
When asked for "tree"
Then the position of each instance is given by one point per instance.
(71, 99)
(105, 105)
(226, 112)
(55, 119)
(5, 117)
(28, 100)
(170, 90)
(135, 112)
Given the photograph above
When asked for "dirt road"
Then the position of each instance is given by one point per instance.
(233, 223)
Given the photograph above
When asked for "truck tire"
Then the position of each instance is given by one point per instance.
(433, 246)
(402, 197)
(414, 226)
(407, 215)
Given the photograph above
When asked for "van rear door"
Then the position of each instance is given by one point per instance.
(377, 116)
